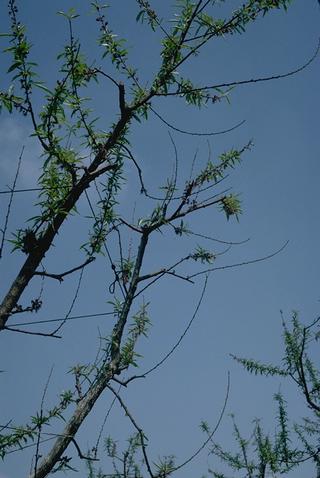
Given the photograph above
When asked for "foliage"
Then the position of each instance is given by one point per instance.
(291, 444)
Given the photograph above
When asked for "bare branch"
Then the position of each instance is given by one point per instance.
(12, 191)
(240, 264)
(81, 455)
(214, 239)
(136, 426)
(279, 76)
(194, 133)
(28, 332)
(96, 447)
(101, 72)
(60, 277)
(130, 226)
(205, 443)
(27, 190)
(164, 271)
(176, 345)
(30, 445)
(75, 297)
(74, 317)
(158, 275)
(40, 424)
(143, 188)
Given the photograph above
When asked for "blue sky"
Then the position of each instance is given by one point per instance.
(278, 184)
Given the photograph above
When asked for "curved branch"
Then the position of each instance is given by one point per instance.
(194, 133)
(240, 264)
(246, 82)
(136, 426)
(96, 447)
(176, 345)
(75, 297)
(143, 188)
(302, 376)
(219, 241)
(205, 443)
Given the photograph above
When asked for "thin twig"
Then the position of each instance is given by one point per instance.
(60, 277)
(214, 239)
(176, 345)
(74, 317)
(103, 424)
(205, 443)
(81, 455)
(30, 445)
(130, 226)
(143, 188)
(246, 82)
(136, 426)
(98, 70)
(154, 17)
(164, 271)
(194, 133)
(173, 184)
(158, 275)
(28, 332)
(72, 302)
(113, 267)
(4, 230)
(26, 190)
(40, 424)
(240, 264)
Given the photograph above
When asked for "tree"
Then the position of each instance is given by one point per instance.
(85, 162)
(261, 454)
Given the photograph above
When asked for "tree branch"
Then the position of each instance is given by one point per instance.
(81, 455)
(40, 424)
(136, 426)
(60, 277)
(28, 332)
(240, 264)
(246, 82)
(12, 191)
(45, 241)
(194, 133)
(67, 436)
(105, 374)
(205, 443)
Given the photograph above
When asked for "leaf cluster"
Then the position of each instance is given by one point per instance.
(278, 455)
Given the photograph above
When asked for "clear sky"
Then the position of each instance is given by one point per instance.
(278, 183)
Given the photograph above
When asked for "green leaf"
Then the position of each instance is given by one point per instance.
(14, 66)
(42, 87)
